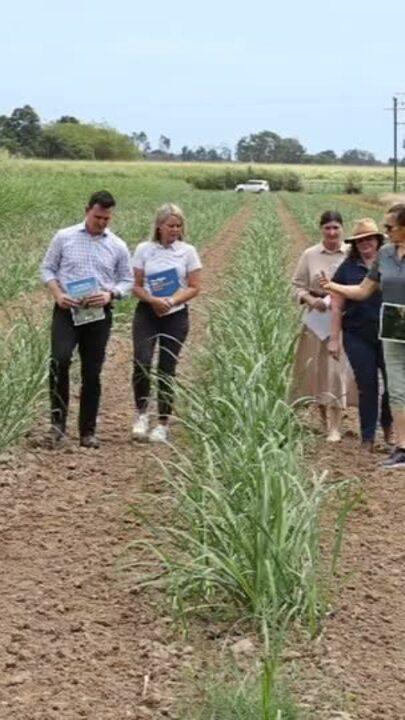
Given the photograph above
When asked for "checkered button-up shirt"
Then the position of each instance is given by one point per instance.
(74, 254)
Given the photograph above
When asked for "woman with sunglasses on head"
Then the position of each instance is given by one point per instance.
(316, 374)
(388, 273)
(359, 323)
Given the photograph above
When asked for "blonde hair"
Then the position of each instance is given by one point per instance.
(164, 212)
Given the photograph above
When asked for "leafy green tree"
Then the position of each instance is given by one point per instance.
(20, 133)
(268, 147)
(186, 154)
(141, 141)
(258, 147)
(164, 143)
(358, 157)
(68, 119)
(327, 157)
(81, 141)
(289, 150)
(225, 153)
(200, 154)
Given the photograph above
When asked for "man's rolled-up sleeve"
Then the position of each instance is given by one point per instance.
(51, 262)
(124, 274)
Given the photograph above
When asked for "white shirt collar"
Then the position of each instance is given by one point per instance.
(82, 228)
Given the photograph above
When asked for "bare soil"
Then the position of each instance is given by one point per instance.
(357, 668)
(75, 641)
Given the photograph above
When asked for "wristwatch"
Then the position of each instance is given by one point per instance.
(171, 301)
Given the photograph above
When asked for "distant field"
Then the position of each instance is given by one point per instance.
(314, 178)
(37, 197)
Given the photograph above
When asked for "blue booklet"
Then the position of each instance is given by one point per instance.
(163, 283)
(81, 290)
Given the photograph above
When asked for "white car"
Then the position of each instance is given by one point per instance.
(256, 186)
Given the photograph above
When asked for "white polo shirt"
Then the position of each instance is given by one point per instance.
(179, 257)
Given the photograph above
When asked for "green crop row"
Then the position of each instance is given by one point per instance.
(243, 535)
(309, 208)
(23, 373)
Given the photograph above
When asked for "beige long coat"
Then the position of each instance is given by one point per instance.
(316, 374)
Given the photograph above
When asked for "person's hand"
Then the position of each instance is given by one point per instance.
(334, 348)
(161, 305)
(99, 299)
(319, 304)
(65, 301)
(324, 281)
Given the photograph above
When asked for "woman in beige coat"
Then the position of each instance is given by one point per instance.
(316, 374)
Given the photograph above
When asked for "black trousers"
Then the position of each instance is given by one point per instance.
(170, 333)
(91, 340)
(366, 358)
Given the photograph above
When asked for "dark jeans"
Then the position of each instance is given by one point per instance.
(91, 340)
(170, 332)
(366, 358)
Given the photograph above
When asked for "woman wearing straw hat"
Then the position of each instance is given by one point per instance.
(357, 324)
(388, 271)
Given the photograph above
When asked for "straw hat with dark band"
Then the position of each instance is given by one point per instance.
(367, 227)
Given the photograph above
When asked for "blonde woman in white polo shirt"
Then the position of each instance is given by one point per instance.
(167, 275)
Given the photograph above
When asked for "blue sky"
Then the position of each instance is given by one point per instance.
(211, 72)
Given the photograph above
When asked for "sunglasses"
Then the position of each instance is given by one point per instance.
(332, 227)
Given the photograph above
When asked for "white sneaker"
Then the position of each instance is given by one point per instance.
(159, 434)
(334, 436)
(140, 427)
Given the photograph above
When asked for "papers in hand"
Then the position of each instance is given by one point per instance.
(81, 290)
(319, 322)
(163, 283)
(392, 322)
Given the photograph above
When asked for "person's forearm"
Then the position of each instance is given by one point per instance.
(335, 323)
(55, 289)
(307, 299)
(184, 295)
(143, 294)
(301, 295)
(123, 288)
(351, 292)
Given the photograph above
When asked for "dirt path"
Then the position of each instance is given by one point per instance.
(359, 665)
(295, 237)
(75, 642)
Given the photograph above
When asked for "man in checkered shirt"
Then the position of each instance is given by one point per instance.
(88, 250)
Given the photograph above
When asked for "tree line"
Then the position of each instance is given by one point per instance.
(23, 134)
(262, 147)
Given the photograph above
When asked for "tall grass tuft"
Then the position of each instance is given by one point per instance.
(23, 372)
(246, 530)
(239, 699)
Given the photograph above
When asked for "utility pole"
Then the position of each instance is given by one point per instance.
(394, 111)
